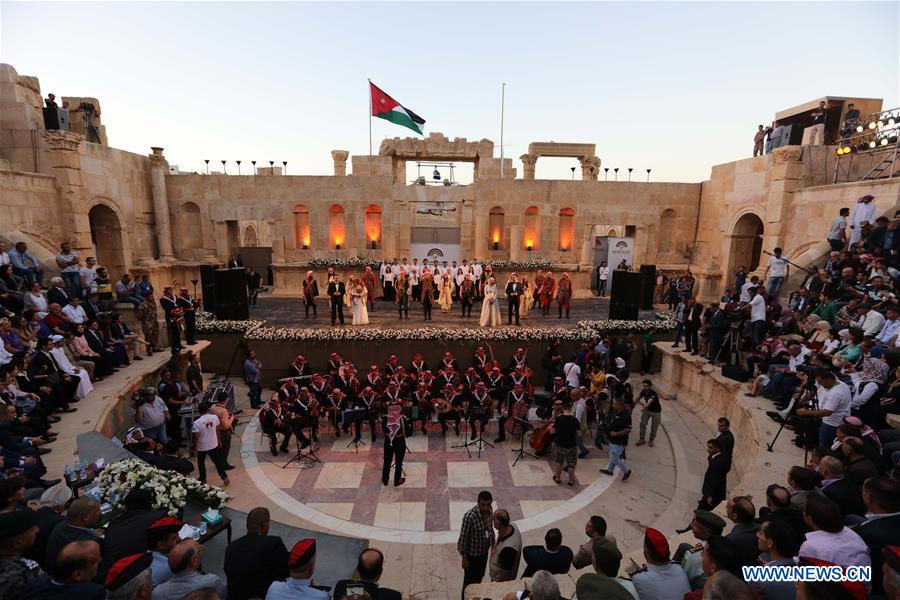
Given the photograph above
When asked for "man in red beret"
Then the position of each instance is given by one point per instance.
(659, 579)
(162, 535)
(130, 578)
(299, 586)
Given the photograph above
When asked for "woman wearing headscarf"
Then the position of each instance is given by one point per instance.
(865, 389)
(490, 309)
(819, 336)
(358, 298)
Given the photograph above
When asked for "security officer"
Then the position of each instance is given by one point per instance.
(659, 579)
(704, 526)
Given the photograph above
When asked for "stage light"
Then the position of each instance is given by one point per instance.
(872, 144)
(337, 246)
(872, 125)
(529, 247)
(891, 122)
(374, 245)
(859, 129)
(884, 141)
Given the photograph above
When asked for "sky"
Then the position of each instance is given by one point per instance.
(676, 87)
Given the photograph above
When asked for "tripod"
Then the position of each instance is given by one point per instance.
(732, 341)
(524, 426)
(308, 458)
(464, 430)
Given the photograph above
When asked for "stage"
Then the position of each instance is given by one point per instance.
(289, 312)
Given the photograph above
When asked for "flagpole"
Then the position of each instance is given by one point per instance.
(502, 108)
(369, 112)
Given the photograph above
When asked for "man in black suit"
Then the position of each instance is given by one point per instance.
(43, 370)
(336, 291)
(57, 293)
(692, 316)
(725, 438)
(54, 501)
(552, 556)
(716, 327)
(513, 291)
(368, 572)
(81, 523)
(254, 561)
(882, 526)
(93, 309)
(841, 490)
(715, 476)
(742, 513)
(127, 533)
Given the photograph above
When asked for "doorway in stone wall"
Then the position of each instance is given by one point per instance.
(107, 241)
(746, 244)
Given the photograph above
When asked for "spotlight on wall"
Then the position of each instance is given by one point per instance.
(223, 168)
(374, 245)
(529, 248)
(272, 166)
(495, 245)
(629, 173)
(573, 173)
(206, 160)
(648, 175)
(253, 162)
(605, 173)
(337, 246)
(284, 164)
(239, 166)
(616, 171)
(872, 144)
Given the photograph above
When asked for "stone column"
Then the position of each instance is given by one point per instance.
(529, 163)
(785, 178)
(587, 163)
(516, 232)
(159, 167)
(481, 251)
(64, 164)
(340, 162)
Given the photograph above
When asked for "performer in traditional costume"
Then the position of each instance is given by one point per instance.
(467, 295)
(401, 286)
(370, 282)
(393, 426)
(564, 294)
(358, 296)
(490, 310)
(445, 298)
(538, 286)
(274, 420)
(427, 293)
(548, 287)
(310, 291)
(526, 299)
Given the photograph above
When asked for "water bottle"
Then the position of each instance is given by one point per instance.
(70, 473)
(83, 473)
(202, 527)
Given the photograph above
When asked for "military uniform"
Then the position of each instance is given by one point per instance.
(661, 582)
(692, 563)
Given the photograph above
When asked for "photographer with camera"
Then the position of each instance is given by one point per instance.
(834, 405)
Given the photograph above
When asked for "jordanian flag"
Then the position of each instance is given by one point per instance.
(385, 107)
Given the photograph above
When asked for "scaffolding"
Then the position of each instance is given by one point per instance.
(875, 138)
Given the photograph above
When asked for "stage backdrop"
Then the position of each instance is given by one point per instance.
(619, 248)
(435, 243)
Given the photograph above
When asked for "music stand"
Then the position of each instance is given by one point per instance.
(357, 417)
(464, 431)
(308, 458)
(525, 427)
(478, 412)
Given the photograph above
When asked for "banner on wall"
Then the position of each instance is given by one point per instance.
(620, 248)
(435, 251)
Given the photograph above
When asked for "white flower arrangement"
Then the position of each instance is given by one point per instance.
(358, 262)
(171, 491)
(518, 265)
(583, 331)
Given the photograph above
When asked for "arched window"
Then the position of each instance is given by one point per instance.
(251, 240)
(666, 230)
(532, 228)
(373, 226)
(191, 233)
(495, 228)
(566, 229)
(301, 227)
(336, 227)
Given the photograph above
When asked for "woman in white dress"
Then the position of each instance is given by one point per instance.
(85, 386)
(358, 299)
(36, 301)
(445, 297)
(490, 309)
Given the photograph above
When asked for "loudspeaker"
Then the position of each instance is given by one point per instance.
(56, 118)
(648, 286)
(625, 295)
(231, 295)
(208, 287)
(791, 135)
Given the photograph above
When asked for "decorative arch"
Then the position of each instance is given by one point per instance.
(107, 238)
(496, 222)
(566, 229)
(666, 230)
(746, 235)
(251, 240)
(301, 226)
(190, 228)
(373, 226)
(337, 229)
(532, 228)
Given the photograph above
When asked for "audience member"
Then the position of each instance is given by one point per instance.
(506, 552)
(552, 556)
(368, 571)
(302, 564)
(659, 579)
(254, 561)
(72, 576)
(184, 561)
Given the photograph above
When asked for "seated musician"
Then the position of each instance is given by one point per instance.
(347, 382)
(304, 413)
(518, 375)
(427, 377)
(479, 408)
(334, 364)
(367, 405)
(421, 399)
(456, 399)
(393, 363)
(495, 384)
(480, 361)
(273, 420)
(470, 378)
(449, 362)
(289, 389)
(334, 406)
(374, 379)
(318, 389)
(299, 367)
(446, 376)
(417, 366)
(519, 359)
(515, 405)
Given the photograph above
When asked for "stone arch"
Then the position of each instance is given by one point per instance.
(301, 226)
(190, 227)
(107, 239)
(566, 229)
(251, 240)
(496, 223)
(337, 228)
(373, 226)
(746, 240)
(531, 237)
(666, 230)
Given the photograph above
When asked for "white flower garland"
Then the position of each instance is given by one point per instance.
(359, 262)
(171, 491)
(519, 265)
(583, 331)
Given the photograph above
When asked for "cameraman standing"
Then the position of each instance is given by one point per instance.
(757, 307)
(833, 406)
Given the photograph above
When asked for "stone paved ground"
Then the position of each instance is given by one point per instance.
(290, 312)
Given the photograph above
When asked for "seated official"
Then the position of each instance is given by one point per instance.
(302, 562)
(254, 561)
(368, 571)
(552, 556)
